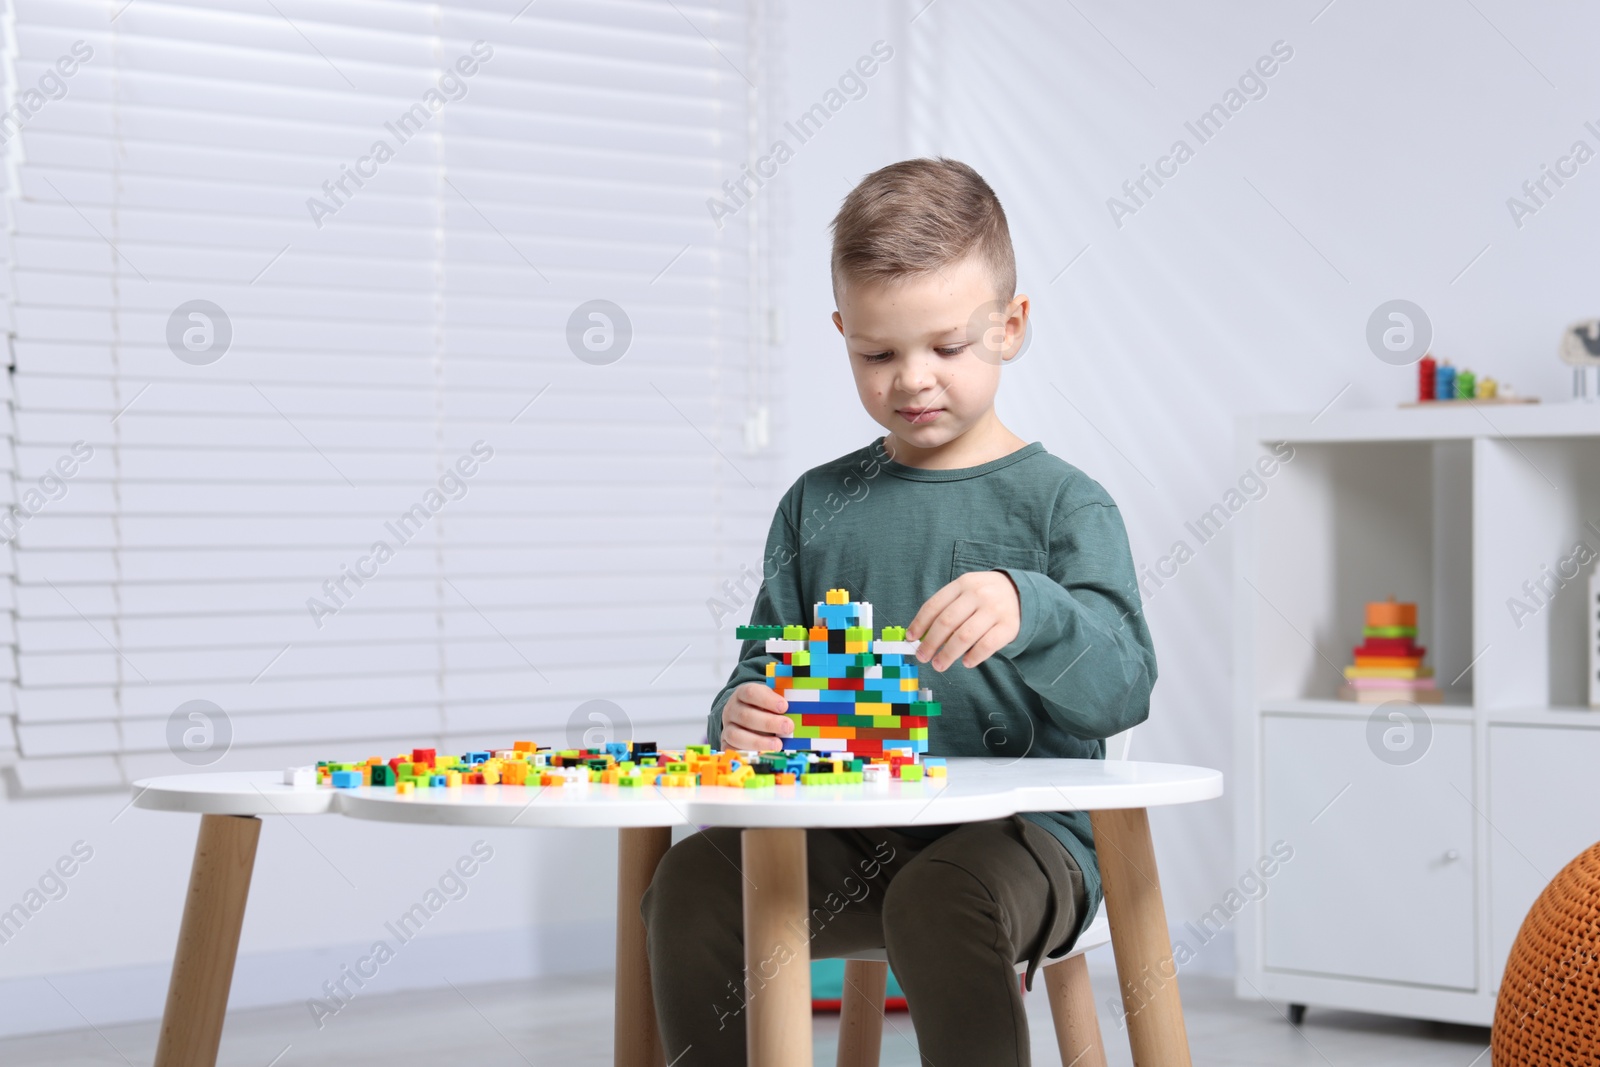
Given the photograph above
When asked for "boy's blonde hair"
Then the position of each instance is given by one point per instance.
(917, 216)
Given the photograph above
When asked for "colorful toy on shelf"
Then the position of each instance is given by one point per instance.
(846, 690)
(1388, 662)
(1444, 383)
(1439, 382)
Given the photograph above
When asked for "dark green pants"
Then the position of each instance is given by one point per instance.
(955, 913)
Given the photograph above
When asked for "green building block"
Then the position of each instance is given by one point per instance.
(910, 773)
(758, 633)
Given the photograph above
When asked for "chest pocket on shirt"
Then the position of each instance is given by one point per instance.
(987, 555)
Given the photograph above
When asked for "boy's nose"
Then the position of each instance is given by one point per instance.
(916, 376)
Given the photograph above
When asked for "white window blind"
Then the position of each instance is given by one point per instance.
(398, 370)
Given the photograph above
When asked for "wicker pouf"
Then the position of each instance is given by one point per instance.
(1548, 1012)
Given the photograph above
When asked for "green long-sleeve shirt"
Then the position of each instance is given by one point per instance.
(1082, 665)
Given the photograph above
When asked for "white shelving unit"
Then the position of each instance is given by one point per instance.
(1413, 866)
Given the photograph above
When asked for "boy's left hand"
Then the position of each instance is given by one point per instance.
(970, 619)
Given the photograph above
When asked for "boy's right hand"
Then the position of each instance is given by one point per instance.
(753, 719)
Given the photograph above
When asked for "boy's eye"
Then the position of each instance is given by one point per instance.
(952, 350)
(876, 357)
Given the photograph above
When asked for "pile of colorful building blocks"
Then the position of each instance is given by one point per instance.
(859, 695)
(1388, 662)
(627, 763)
(864, 720)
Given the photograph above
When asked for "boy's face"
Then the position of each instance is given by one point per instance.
(927, 352)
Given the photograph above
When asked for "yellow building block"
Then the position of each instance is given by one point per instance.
(908, 685)
(452, 779)
(403, 788)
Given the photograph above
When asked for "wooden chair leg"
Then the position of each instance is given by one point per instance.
(1072, 1008)
(861, 1013)
(636, 1039)
(208, 941)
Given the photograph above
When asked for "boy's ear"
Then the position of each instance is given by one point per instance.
(1019, 310)
(838, 321)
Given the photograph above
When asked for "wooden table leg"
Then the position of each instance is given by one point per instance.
(861, 1013)
(1146, 970)
(208, 941)
(777, 948)
(637, 1040)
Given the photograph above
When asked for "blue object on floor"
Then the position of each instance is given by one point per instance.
(827, 987)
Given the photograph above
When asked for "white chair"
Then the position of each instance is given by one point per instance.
(1066, 980)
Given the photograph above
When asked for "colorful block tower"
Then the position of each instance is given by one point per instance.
(847, 691)
(1388, 662)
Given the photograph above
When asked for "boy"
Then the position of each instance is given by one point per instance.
(1003, 558)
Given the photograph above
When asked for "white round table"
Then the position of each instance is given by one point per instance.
(775, 819)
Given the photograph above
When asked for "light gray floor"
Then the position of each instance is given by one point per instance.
(568, 1022)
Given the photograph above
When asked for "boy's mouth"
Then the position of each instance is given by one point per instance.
(918, 416)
